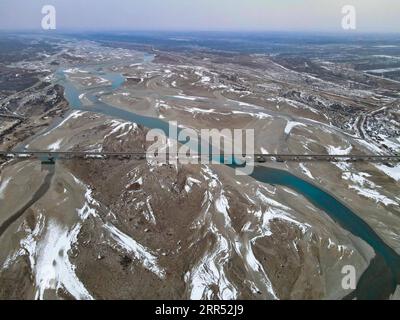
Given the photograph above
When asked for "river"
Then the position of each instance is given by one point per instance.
(381, 277)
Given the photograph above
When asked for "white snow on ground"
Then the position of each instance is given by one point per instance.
(251, 262)
(358, 177)
(254, 230)
(290, 191)
(190, 182)
(187, 98)
(141, 253)
(149, 214)
(29, 243)
(11, 259)
(87, 210)
(338, 151)
(134, 177)
(72, 115)
(362, 185)
(55, 146)
(52, 268)
(210, 271)
(394, 145)
(279, 214)
(373, 194)
(222, 206)
(100, 80)
(383, 70)
(391, 172)
(340, 248)
(198, 110)
(210, 176)
(75, 70)
(145, 256)
(258, 115)
(298, 105)
(120, 126)
(269, 201)
(95, 148)
(291, 124)
(205, 79)
(3, 186)
(275, 210)
(306, 171)
(47, 247)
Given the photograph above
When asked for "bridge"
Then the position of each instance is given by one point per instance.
(259, 158)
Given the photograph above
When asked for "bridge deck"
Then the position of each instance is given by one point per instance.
(142, 155)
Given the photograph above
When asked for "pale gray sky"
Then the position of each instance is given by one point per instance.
(300, 15)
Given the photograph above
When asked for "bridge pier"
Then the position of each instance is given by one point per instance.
(50, 160)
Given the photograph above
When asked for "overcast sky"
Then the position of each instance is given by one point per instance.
(261, 15)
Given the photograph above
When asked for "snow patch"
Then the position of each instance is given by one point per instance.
(393, 172)
(55, 146)
(305, 170)
(53, 270)
(144, 255)
(338, 150)
(291, 124)
(3, 186)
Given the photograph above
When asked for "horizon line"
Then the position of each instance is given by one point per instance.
(122, 30)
